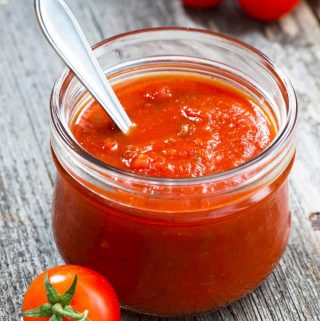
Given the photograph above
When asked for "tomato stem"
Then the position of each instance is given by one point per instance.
(59, 310)
(58, 306)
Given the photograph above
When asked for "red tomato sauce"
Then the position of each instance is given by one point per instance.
(185, 126)
(174, 255)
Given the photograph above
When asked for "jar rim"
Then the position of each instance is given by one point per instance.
(262, 158)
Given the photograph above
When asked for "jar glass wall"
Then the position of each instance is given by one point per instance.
(175, 246)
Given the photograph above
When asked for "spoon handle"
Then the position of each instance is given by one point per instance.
(64, 34)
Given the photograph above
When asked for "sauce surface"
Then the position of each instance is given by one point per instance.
(186, 126)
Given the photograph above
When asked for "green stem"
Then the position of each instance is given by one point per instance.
(60, 311)
(58, 306)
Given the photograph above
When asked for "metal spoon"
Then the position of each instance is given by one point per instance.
(64, 34)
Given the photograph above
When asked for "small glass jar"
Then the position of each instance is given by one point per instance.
(175, 247)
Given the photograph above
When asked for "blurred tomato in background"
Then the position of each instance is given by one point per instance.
(201, 3)
(267, 10)
(262, 10)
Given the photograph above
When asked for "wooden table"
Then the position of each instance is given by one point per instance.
(28, 68)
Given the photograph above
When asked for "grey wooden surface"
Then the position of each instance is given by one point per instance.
(28, 68)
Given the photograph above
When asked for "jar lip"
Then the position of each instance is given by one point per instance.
(264, 157)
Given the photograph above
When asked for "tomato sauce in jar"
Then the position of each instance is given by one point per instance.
(185, 126)
(187, 212)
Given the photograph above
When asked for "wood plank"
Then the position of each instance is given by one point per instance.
(28, 68)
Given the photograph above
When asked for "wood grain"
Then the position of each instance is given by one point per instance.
(28, 68)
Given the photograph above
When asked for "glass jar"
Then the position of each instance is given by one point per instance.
(175, 247)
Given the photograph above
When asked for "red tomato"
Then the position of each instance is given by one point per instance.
(201, 3)
(267, 10)
(92, 293)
